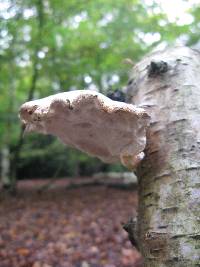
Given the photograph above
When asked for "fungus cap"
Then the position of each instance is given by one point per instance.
(91, 122)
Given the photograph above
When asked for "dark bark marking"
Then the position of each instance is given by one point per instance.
(161, 176)
(157, 68)
(160, 88)
(170, 209)
(69, 104)
(156, 243)
(195, 236)
(131, 228)
(130, 81)
(163, 226)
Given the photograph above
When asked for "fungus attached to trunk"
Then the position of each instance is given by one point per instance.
(91, 122)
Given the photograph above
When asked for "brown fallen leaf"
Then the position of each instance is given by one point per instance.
(37, 264)
(23, 251)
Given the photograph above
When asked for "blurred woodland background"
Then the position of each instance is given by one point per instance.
(51, 46)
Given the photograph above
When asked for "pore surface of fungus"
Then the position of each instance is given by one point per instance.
(91, 122)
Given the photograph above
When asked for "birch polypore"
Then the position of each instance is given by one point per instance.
(91, 122)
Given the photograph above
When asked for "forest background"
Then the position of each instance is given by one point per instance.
(51, 46)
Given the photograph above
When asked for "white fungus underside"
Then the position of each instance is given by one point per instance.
(91, 122)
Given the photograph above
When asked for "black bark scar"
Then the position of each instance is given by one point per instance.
(156, 68)
(130, 228)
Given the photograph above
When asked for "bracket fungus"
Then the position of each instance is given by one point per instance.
(91, 122)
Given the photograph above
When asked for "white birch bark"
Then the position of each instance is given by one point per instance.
(167, 85)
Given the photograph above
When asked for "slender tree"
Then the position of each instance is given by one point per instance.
(30, 93)
(8, 118)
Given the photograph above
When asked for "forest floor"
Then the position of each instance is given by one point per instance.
(61, 227)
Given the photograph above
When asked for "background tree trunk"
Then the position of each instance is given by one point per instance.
(30, 95)
(167, 84)
(5, 166)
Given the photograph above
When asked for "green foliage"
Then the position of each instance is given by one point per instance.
(57, 46)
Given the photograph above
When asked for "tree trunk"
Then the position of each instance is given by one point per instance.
(5, 166)
(167, 85)
(30, 94)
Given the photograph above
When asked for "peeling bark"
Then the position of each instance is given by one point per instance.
(167, 85)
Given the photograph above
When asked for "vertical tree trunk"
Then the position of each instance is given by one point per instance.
(5, 166)
(7, 140)
(167, 84)
(30, 94)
